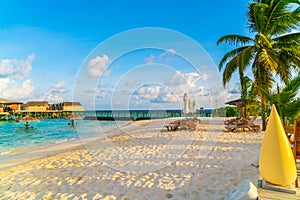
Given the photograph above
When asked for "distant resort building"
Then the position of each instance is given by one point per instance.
(9, 105)
(67, 106)
(36, 106)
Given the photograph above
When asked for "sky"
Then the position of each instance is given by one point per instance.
(117, 54)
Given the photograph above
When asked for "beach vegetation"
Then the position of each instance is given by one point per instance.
(272, 51)
(285, 99)
(231, 111)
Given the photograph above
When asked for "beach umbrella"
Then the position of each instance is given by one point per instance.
(27, 119)
(186, 104)
(236, 102)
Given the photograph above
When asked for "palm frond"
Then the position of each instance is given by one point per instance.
(293, 85)
(266, 59)
(256, 19)
(231, 54)
(234, 39)
(246, 57)
(288, 38)
(230, 68)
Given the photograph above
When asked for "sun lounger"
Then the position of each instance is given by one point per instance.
(173, 126)
(243, 126)
(190, 124)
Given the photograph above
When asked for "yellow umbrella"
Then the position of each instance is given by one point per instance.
(277, 163)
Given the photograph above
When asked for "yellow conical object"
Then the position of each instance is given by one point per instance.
(277, 163)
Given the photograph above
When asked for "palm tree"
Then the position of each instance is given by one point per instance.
(285, 100)
(249, 98)
(271, 51)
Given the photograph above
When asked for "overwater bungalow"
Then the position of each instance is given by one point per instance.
(9, 105)
(67, 106)
(36, 106)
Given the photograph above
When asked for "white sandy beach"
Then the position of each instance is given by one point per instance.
(142, 161)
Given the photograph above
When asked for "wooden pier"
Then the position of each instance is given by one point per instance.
(106, 114)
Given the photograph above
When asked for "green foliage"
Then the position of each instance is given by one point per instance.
(285, 100)
(231, 111)
(272, 51)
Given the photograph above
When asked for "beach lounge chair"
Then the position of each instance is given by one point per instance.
(233, 121)
(173, 126)
(191, 124)
(243, 125)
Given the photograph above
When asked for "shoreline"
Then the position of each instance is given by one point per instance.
(144, 164)
(25, 155)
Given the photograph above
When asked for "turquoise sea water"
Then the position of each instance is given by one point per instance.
(14, 136)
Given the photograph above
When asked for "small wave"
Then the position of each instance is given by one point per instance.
(61, 141)
(5, 152)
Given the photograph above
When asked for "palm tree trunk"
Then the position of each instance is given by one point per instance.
(263, 113)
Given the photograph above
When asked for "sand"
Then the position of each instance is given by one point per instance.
(138, 161)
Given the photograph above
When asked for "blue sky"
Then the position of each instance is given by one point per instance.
(44, 44)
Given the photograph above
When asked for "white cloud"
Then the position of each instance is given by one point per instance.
(130, 81)
(147, 92)
(12, 75)
(167, 54)
(93, 90)
(202, 91)
(16, 68)
(4, 83)
(15, 91)
(97, 92)
(55, 93)
(97, 66)
(58, 87)
(170, 51)
(166, 97)
(150, 59)
(155, 93)
(186, 80)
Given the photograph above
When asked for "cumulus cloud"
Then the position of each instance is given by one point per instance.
(13, 82)
(155, 93)
(15, 91)
(147, 92)
(4, 83)
(130, 81)
(167, 55)
(186, 80)
(174, 89)
(150, 59)
(92, 90)
(55, 93)
(170, 51)
(166, 97)
(58, 87)
(98, 93)
(202, 91)
(16, 68)
(97, 66)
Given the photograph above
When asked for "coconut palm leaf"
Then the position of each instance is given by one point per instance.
(233, 39)
(272, 50)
